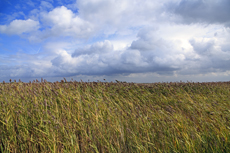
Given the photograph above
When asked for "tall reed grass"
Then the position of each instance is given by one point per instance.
(114, 117)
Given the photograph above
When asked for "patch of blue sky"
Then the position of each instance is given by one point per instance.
(70, 4)
(5, 6)
(14, 9)
(10, 45)
(7, 44)
(20, 9)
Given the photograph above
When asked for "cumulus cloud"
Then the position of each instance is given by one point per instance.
(63, 22)
(149, 40)
(19, 27)
(213, 55)
(156, 49)
(101, 58)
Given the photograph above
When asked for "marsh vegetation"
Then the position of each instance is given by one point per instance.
(114, 117)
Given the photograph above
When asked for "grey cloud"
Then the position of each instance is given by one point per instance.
(202, 48)
(58, 61)
(208, 11)
(225, 47)
(15, 71)
(97, 48)
(149, 40)
(156, 50)
(126, 63)
(212, 58)
(101, 59)
(23, 65)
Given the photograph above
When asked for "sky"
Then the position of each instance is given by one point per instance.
(127, 40)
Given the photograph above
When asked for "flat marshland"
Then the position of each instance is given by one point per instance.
(114, 117)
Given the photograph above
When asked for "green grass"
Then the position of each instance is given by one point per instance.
(115, 117)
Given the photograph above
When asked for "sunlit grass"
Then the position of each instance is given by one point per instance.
(114, 117)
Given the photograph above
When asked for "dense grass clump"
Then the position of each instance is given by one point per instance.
(114, 117)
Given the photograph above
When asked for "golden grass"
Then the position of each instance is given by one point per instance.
(114, 117)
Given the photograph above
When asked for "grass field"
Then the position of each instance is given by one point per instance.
(114, 117)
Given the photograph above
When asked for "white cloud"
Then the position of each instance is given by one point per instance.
(64, 22)
(119, 16)
(19, 26)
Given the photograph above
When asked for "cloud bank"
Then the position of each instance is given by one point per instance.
(122, 38)
(201, 11)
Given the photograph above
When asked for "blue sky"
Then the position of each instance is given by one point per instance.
(126, 40)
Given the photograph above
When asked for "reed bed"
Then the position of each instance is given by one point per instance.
(116, 117)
